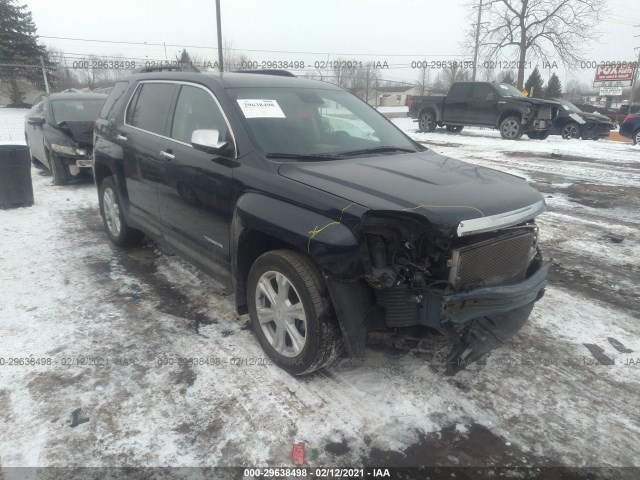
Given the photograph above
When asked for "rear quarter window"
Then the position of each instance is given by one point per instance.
(113, 99)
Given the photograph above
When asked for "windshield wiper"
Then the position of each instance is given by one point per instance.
(382, 149)
(304, 156)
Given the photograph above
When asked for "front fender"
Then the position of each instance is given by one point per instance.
(325, 237)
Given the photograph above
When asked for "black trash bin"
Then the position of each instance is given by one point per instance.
(16, 189)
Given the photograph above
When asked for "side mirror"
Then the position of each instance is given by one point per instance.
(35, 120)
(490, 97)
(207, 141)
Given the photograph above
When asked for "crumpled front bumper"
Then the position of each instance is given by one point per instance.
(497, 314)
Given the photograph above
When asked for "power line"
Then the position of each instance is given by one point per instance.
(248, 49)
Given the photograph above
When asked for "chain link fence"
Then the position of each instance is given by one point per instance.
(12, 124)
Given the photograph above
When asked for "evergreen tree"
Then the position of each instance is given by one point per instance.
(534, 84)
(554, 88)
(18, 46)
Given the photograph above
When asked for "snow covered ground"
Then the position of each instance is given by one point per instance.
(109, 331)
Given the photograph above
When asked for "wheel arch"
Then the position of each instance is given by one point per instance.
(262, 223)
(508, 113)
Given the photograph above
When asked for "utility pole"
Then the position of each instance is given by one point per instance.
(44, 74)
(475, 51)
(219, 36)
(635, 75)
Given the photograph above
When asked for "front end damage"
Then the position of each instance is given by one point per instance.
(539, 118)
(475, 282)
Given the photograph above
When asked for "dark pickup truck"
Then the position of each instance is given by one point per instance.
(484, 104)
(326, 220)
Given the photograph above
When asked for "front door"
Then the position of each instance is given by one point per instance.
(195, 195)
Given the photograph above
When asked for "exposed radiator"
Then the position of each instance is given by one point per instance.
(499, 261)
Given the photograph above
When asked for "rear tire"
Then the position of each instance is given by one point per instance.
(454, 128)
(291, 312)
(511, 128)
(427, 122)
(114, 223)
(636, 137)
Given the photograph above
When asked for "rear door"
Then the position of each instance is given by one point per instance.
(483, 108)
(456, 103)
(195, 194)
(146, 121)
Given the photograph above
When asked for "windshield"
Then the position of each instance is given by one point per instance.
(570, 107)
(76, 110)
(316, 122)
(507, 90)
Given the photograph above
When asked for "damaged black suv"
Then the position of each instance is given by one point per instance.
(326, 220)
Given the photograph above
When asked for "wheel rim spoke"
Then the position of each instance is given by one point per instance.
(297, 340)
(281, 314)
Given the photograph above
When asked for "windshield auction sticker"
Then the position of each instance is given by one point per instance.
(260, 108)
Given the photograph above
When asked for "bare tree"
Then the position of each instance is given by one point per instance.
(544, 29)
(575, 90)
(447, 76)
(94, 73)
(423, 80)
(235, 59)
(63, 77)
(507, 76)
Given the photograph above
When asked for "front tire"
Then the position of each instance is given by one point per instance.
(454, 128)
(571, 131)
(511, 128)
(60, 170)
(291, 312)
(427, 122)
(114, 223)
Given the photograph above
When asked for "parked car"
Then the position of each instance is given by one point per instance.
(485, 104)
(324, 232)
(574, 123)
(58, 130)
(630, 127)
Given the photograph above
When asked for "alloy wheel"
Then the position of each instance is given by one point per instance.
(111, 211)
(281, 314)
(510, 129)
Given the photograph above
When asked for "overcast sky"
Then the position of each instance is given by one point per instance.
(395, 31)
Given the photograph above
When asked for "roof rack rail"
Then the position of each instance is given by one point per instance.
(185, 67)
(268, 71)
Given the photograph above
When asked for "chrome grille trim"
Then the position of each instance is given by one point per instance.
(496, 222)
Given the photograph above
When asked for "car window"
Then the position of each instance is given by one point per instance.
(314, 121)
(481, 90)
(116, 94)
(150, 108)
(197, 110)
(75, 110)
(460, 90)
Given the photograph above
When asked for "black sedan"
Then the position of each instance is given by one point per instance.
(575, 123)
(59, 132)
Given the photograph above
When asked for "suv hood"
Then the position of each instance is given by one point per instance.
(595, 117)
(444, 190)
